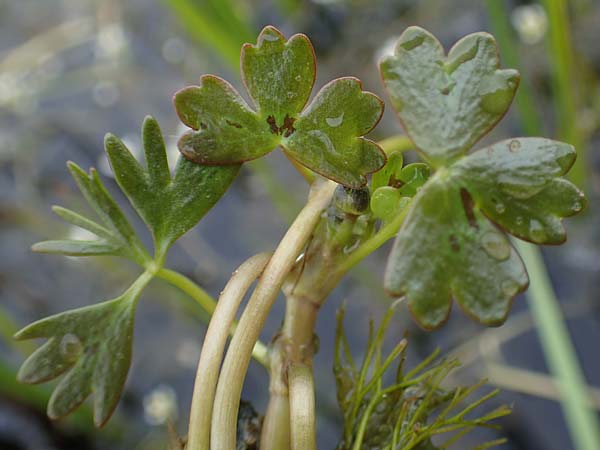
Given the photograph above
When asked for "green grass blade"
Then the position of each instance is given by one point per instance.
(560, 352)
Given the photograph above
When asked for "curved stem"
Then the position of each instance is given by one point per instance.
(206, 302)
(203, 298)
(214, 345)
(398, 143)
(387, 232)
(235, 365)
(275, 432)
(302, 408)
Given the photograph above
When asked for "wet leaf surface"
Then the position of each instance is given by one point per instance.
(448, 246)
(91, 346)
(326, 136)
(452, 243)
(170, 205)
(447, 103)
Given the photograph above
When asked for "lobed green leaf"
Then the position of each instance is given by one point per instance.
(515, 184)
(447, 103)
(91, 346)
(279, 75)
(227, 131)
(447, 248)
(327, 134)
(452, 244)
(170, 206)
(326, 137)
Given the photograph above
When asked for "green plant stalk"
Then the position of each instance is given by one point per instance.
(398, 143)
(214, 345)
(260, 352)
(560, 53)
(302, 408)
(501, 27)
(560, 352)
(387, 232)
(294, 345)
(236, 361)
(207, 30)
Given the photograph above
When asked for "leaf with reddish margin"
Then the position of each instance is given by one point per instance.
(326, 137)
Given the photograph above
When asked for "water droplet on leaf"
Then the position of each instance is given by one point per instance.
(335, 121)
(536, 231)
(500, 208)
(495, 245)
(514, 145)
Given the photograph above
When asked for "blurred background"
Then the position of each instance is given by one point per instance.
(71, 70)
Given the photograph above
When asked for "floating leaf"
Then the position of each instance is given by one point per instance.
(91, 346)
(115, 237)
(447, 248)
(447, 103)
(452, 243)
(279, 75)
(170, 205)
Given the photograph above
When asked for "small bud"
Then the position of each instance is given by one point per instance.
(351, 201)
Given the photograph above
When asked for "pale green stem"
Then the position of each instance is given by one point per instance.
(398, 143)
(212, 351)
(235, 365)
(564, 79)
(560, 352)
(387, 232)
(260, 352)
(302, 408)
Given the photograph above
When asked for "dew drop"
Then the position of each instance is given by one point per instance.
(536, 231)
(509, 287)
(70, 347)
(298, 78)
(335, 121)
(514, 145)
(577, 206)
(519, 220)
(270, 37)
(495, 245)
(500, 208)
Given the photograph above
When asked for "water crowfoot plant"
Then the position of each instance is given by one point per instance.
(449, 214)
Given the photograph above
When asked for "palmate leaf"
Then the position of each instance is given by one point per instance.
(169, 205)
(326, 136)
(91, 346)
(447, 103)
(452, 243)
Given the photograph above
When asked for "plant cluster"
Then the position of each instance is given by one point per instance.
(450, 216)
